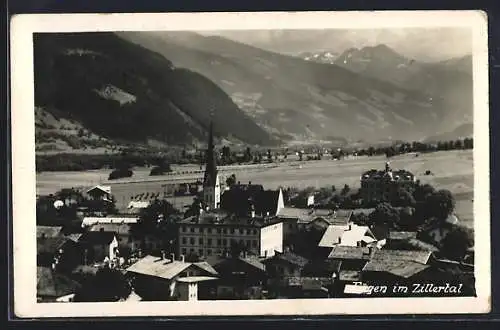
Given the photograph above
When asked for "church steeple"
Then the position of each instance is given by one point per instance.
(211, 166)
(211, 185)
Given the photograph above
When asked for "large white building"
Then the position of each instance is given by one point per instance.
(215, 232)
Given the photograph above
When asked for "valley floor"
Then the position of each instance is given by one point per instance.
(452, 170)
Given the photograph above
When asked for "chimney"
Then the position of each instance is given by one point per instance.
(340, 239)
(163, 255)
(350, 227)
(172, 257)
(182, 258)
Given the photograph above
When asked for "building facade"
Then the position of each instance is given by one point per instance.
(213, 233)
(378, 186)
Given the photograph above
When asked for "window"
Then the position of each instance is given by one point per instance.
(209, 252)
(249, 231)
(191, 250)
(254, 243)
(248, 242)
(209, 230)
(218, 230)
(183, 229)
(200, 252)
(184, 240)
(184, 251)
(191, 229)
(255, 231)
(219, 241)
(224, 242)
(242, 231)
(209, 242)
(191, 240)
(232, 230)
(200, 241)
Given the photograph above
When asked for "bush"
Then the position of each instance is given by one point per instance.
(120, 173)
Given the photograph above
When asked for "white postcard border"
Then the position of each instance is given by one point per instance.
(24, 177)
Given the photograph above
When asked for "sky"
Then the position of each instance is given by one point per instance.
(428, 44)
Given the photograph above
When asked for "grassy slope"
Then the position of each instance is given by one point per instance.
(166, 104)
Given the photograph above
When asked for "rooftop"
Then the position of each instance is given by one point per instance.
(166, 268)
(118, 228)
(389, 174)
(421, 257)
(402, 235)
(105, 189)
(97, 237)
(48, 231)
(347, 235)
(241, 198)
(307, 215)
(50, 244)
(350, 253)
(222, 218)
(290, 258)
(51, 284)
(88, 221)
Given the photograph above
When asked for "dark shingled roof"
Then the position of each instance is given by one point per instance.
(50, 245)
(51, 284)
(289, 257)
(48, 231)
(402, 235)
(240, 198)
(97, 237)
(350, 253)
(401, 263)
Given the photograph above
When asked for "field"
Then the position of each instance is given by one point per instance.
(452, 170)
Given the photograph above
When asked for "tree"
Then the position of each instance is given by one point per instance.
(120, 173)
(345, 190)
(231, 180)
(404, 198)
(248, 155)
(456, 243)
(269, 156)
(439, 204)
(108, 285)
(385, 214)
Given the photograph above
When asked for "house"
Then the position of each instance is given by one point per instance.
(58, 252)
(89, 221)
(122, 232)
(240, 277)
(100, 193)
(335, 217)
(391, 266)
(159, 278)
(214, 232)
(287, 264)
(99, 246)
(384, 185)
(54, 287)
(347, 235)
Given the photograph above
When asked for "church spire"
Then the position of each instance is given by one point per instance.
(211, 166)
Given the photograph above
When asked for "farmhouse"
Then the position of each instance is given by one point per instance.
(100, 192)
(99, 246)
(215, 232)
(240, 277)
(384, 185)
(159, 278)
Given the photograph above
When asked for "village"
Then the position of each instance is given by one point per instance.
(241, 241)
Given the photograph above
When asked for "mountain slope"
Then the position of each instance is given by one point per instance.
(300, 100)
(122, 91)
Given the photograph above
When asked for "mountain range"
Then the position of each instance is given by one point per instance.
(160, 87)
